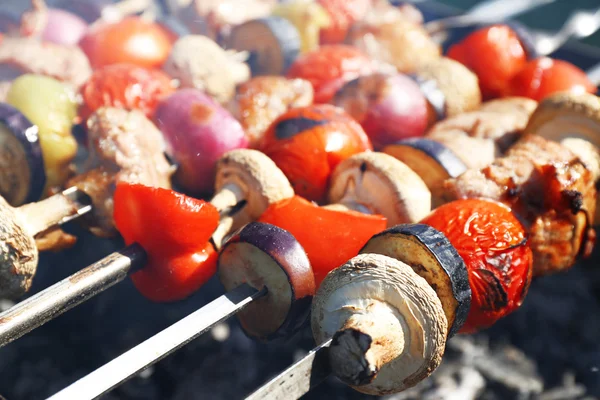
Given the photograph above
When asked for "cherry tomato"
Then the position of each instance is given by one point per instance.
(544, 76)
(125, 86)
(174, 231)
(495, 54)
(342, 14)
(307, 143)
(329, 237)
(329, 67)
(493, 244)
(131, 40)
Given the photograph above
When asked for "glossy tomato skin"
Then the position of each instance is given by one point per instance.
(329, 67)
(544, 76)
(307, 143)
(125, 86)
(131, 40)
(174, 231)
(329, 237)
(495, 54)
(493, 245)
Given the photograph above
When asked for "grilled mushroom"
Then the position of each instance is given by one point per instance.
(18, 229)
(432, 257)
(248, 176)
(432, 161)
(459, 86)
(377, 183)
(387, 324)
(263, 255)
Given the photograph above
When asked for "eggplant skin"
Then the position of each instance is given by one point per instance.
(437, 152)
(455, 277)
(27, 135)
(289, 255)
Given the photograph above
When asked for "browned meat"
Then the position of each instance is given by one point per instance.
(511, 104)
(66, 63)
(4, 88)
(124, 147)
(549, 188)
(262, 99)
(478, 137)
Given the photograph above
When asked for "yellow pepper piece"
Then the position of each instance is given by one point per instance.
(308, 17)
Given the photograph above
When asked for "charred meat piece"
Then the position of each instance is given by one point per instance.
(124, 147)
(65, 63)
(549, 188)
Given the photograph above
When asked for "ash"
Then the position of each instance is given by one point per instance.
(548, 350)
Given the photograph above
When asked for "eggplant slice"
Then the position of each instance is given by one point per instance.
(432, 257)
(22, 175)
(431, 160)
(264, 255)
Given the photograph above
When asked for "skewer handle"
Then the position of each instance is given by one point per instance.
(68, 293)
(159, 346)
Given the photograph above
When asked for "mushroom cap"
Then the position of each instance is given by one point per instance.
(383, 184)
(459, 85)
(198, 62)
(510, 104)
(18, 253)
(567, 115)
(432, 256)
(371, 279)
(257, 177)
(262, 255)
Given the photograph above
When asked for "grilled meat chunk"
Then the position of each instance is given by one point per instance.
(549, 188)
(124, 146)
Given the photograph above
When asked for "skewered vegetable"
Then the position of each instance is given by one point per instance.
(179, 257)
(264, 255)
(433, 162)
(22, 175)
(495, 53)
(125, 86)
(52, 107)
(116, 43)
(273, 44)
(342, 14)
(334, 236)
(432, 257)
(307, 144)
(198, 131)
(261, 100)
(308, 16)
(496, 252)
(376, 183)
(198, 62)
(52, 25)
(389, 107)
(247, 176)
(544, 76)
(329, 67)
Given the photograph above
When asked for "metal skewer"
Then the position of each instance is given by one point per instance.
(159, 346)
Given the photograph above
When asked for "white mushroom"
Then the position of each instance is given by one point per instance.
(245, 175)
(198, 62)
(387, 324)
(377, 183)
(18, 250)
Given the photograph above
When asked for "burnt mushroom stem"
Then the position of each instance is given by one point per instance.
(377, 183)
(18, 229)
(250, 176)
(387, 324)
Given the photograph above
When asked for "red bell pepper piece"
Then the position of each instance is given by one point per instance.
(174, 231)
(329, 237)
